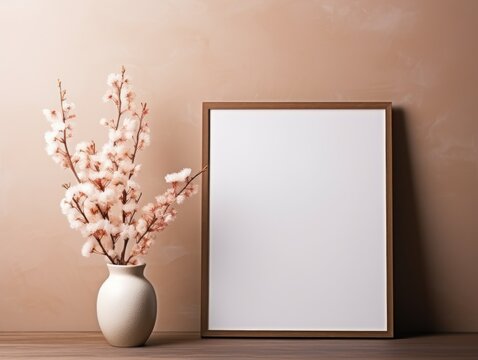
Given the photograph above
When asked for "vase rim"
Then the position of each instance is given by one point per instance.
(125, 266)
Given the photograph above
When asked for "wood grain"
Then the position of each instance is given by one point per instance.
(90, 345)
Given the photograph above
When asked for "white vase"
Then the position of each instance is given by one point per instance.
(126, 306)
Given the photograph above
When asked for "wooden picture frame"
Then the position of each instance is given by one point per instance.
(228, 312)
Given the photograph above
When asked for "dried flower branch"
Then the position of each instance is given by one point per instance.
(104, 203)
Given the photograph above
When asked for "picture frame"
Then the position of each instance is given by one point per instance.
(297, 220)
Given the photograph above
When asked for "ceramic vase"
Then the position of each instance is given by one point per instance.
(126, 306)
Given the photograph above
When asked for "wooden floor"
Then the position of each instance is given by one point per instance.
(190, 346)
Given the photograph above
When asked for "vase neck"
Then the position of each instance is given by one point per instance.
(135, 270)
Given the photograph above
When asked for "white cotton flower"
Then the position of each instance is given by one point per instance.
(129, 207)
(114, 135)
(88, 247)
(82, 175)
(133, 185)
(51, 148)
(122, 151)
(90, 206)
(109, 95)
(82, 146)
(168, 218)
(87, 188)
(161, 200)
(180, 199)
(107, 196)
(130, 124)
(141, 226)
(68, 106)
(179, 176)
(72, 190)
(127, 232)
(76, 224)
(51, 115)
(71, 216)
(137, 169)
(108, 149)
(92, 227)
(106, 164)
(98, 175)
(127, 94)
(64, 206)
(145, 138)
(57, 159)
(126, 167)
(58, 126)
(148, 208)
(113, 78)
(118, 178)
(50, 136)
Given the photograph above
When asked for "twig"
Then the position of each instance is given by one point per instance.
(68, 156)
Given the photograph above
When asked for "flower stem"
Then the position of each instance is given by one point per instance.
(68, 156)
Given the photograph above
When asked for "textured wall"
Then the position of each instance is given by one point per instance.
(421, 55)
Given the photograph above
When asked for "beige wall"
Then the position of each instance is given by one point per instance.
(422, 55)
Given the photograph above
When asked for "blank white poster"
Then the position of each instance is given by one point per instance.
(297, 220)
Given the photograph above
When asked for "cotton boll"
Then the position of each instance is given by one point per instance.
(127, 94)
(106, 164)
(68, 106)
(141, 226)
(51, 115)
(58, 126)
(87, 188)
(76, 224)
(82, 175)
(108, 149)
(122, 151)
(106, 226)
(133, 185)
(132, 232)
(98, 175)
(88, 247)
(50, 136)
(65, 206)
(113, 79)
(114, 135)
(106, 197)
(145, 139)
(82, 146)
(58, 159)
(136, 170)
(129, 207)
(104, 122)
(148, 208)
(126, 167)
(130, 124)
(180, 199)
(161, 200)
(72, 190)
(168, 218)
(179, 176)
(51, 148)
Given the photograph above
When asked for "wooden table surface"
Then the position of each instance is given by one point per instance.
(89, 345)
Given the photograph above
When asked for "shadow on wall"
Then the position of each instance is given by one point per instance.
(414, 307)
